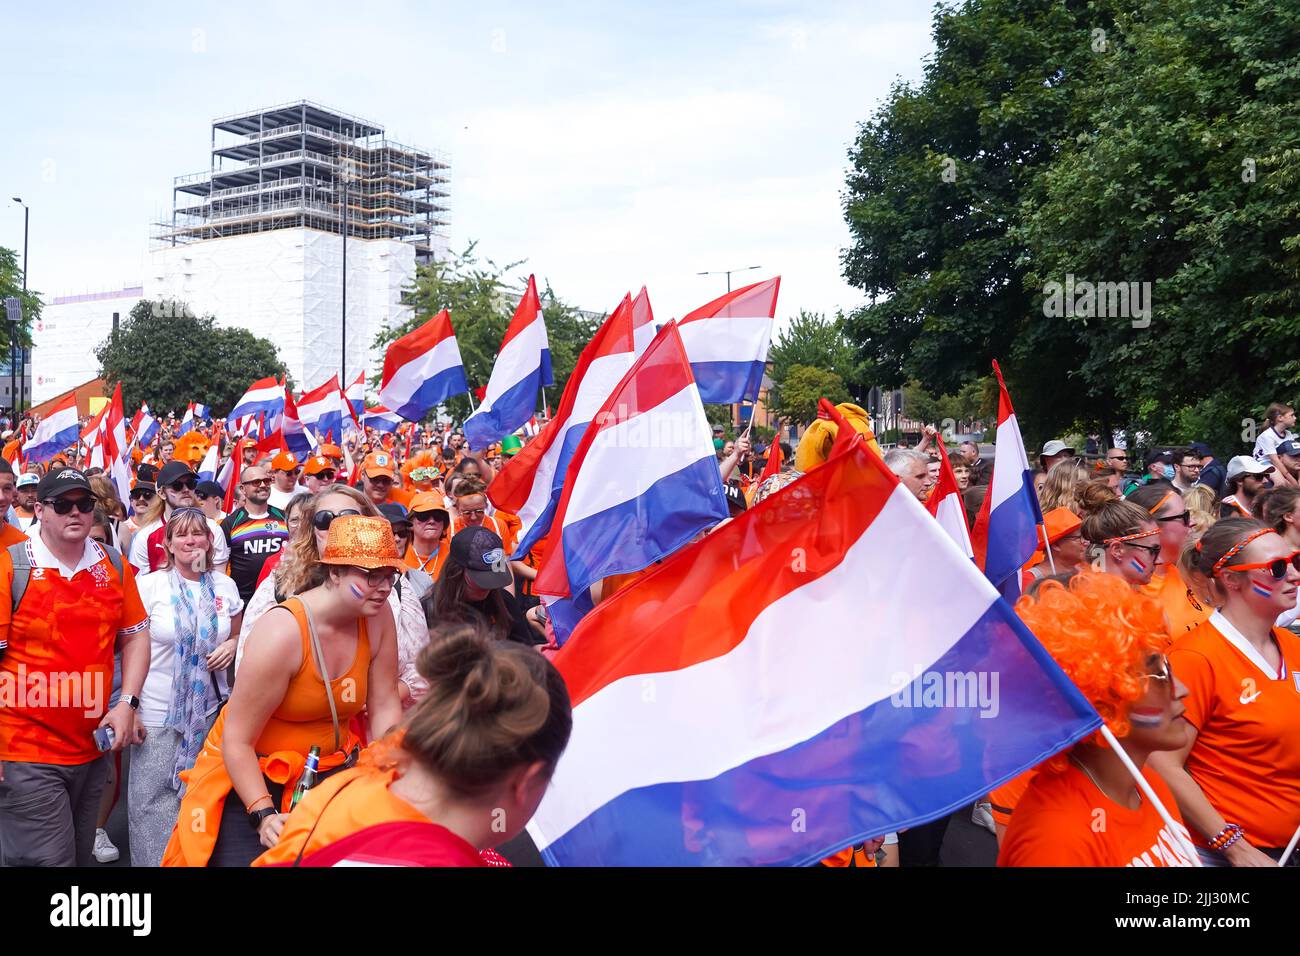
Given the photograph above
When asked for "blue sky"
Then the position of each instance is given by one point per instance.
(609, 145)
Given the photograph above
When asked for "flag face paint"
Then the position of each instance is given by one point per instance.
(1146, 716)
(1260, 589)
(359, 594)
(1137, 565)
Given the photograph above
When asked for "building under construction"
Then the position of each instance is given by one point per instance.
(302, 165)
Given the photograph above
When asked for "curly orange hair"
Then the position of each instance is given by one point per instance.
(421, 459)
(1101, 632)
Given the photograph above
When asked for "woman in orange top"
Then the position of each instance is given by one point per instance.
(474, 757)
(1237, 777)
(429, 537)
(1083, 807)
(282, 706)
(1164, 504)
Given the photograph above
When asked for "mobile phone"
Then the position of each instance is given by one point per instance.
(104, 738)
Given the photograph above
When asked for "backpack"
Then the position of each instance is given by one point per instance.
(23, 570)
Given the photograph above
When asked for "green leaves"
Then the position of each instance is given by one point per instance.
(165, 355)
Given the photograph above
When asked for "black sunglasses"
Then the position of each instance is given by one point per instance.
(1151, 549)
(423, 516)
(62, 506)
(326, 475)
(322, 520)
(143, 495)
(183, 484)
(1184, 517)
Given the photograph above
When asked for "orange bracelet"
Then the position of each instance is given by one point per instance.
(249, 808)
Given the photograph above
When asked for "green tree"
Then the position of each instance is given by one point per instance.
(11, 284)
(477, 295)
(167, 356)
(804, 385)
(812, 341)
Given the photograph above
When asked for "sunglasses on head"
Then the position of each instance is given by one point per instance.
(62, 506)
(183, 484)
(1277, 567)
(322, 520)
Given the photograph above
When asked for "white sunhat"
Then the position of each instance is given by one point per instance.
(1055, 447)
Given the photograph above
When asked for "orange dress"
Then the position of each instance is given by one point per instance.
(300, 721)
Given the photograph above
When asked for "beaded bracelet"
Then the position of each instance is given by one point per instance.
(1233, 839)
(1229, 835)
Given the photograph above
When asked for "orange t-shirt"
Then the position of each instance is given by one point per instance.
(1246, 758)
(1005, 798)
(510, 526)
(9, 535)
(400, 496)
(1182, 610)
(57, 675)
(1064, 820)
(431, 565)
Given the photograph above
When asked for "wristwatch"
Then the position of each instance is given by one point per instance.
(133, 701)
(257, 816)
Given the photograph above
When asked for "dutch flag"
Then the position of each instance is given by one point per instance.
(423, 369)
(264, 397)
(377, 418)
(57, 430)
(144, 426)
(323, 409)
(356, 396)
(727, 341)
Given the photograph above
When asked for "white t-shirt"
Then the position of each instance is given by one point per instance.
(156, 595)
(139, 556)
(280, 499)
(1266, 443)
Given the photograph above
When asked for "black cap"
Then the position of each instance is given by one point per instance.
(1159, 454)
(1289, 447)
(146, 473)
(173, 471)
(143, 486)
(61, 482)
(735, 499)
(210, 489)
(480, 552)
(1200, 448)
(394, 512)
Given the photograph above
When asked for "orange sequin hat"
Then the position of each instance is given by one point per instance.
(362, 542)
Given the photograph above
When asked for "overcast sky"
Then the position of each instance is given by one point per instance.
(608, 144)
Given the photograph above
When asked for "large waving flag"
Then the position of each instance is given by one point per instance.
(423, 369)
(1006, 530)
(713, 725)
(946, 505)
(529, 485)
(523, 366)
(356, 395)
(264, 397)
(727, 341)
(144, 426)
(296, 437)
(323, 410)
(56, 431)
(380, 419)
(91, 436)
(644, 480)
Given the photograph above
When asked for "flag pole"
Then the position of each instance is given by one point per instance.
(1290, 847)
(1174, 830)
(1047, 547)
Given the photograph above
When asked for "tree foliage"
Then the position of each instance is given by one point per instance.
(813, 341)
(167, 356)
(1155, 141)
(804, 385)
(478, 296)
(11, 284)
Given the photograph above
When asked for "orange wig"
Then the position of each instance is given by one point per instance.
(421, 459)
(1101, 632)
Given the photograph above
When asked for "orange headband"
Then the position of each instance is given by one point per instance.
(1161, 503)
(1130, 537)
(1236, 549)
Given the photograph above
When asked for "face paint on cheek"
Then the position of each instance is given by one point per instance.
(1137, 565)
(1146, 716)
(357, 593)
(1261, 589)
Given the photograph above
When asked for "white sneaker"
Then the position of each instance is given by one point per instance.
(982, 816)
(105, 852)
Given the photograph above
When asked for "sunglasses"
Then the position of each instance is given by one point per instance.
(322, 520)
(1119, 457)
(62, 506)
(423, 516)
(1277, 567)
(1151, 549)
(142, 496)
(263, 482)
(1185, 518)
(183, 484)
(325, 475)
(1163, 671)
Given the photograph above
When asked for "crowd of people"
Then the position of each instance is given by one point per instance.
(405, 698)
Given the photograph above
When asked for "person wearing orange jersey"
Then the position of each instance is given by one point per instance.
(429, 538)
(1237, 776)
(477, 751)
(1083, 806)
(1166, 506)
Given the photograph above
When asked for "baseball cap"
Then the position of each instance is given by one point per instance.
(26, 479)
(1158, 454)
(1200, 448)
(315, 466)
(1056, 447)
(285, 461)
(427, 501)
(147, 473)
(1246, 465)
(735, 498)
(141, 486)
(378, 463)
(480, 552)
(328, 450)
(1289, 447)
(174, 471)
(394, 512)
(61, 482)
(210, 489)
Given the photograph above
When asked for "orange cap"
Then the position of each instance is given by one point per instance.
(285, 461)
(328, 450)
(426, 501)
(316, 465)
(1057, 523)
(378, 463)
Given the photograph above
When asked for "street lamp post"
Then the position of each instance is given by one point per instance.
(727, 273)
(16, 400)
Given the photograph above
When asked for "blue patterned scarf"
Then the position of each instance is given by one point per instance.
(192, 687)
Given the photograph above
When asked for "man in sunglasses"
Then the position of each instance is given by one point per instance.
(177, 485)
(254, 532)
(284, 473)
(1117, 463)
(318, 474)
(377, 479)
(68, 603)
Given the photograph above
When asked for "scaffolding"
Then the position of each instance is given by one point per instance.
(304, 165)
